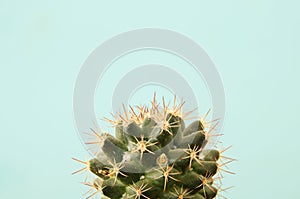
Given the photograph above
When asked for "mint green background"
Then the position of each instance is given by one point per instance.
(254, 44)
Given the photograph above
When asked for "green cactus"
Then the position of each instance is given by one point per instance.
(153, 155)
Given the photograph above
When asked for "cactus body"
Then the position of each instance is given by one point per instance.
(154, 155)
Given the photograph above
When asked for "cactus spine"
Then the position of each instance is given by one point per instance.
(154, 155)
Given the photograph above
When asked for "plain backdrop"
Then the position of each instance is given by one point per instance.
(254, 43)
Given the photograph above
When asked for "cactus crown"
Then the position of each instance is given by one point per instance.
(154, 155)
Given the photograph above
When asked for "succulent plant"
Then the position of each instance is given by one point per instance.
(154, 155)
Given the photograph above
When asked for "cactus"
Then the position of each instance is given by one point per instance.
(154, 155)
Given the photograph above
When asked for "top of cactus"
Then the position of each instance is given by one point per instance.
(154, 155)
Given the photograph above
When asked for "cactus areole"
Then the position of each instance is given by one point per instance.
(154, 155)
